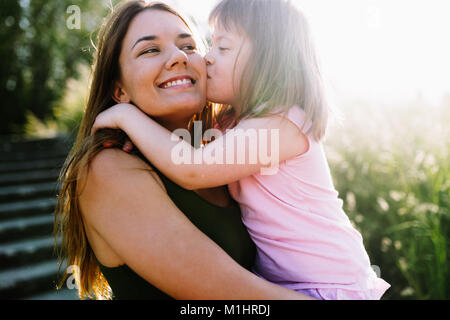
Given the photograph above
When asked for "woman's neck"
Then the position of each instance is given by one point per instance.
(172, 124)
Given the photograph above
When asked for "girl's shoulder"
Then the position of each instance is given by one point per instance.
(298, 132)
(297, 116)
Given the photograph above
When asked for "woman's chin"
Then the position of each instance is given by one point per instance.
(194, 105)
(183, 104)
(188, 101)
(190, 108)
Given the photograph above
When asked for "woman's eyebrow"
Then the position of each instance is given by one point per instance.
(145, 38)
(151, 38)
(184, 35)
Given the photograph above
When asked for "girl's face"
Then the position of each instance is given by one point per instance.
(161, 70)
(225, 63)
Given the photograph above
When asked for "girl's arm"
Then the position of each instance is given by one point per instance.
(254, 145)
(129, 209)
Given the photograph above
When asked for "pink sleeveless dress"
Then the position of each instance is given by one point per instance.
(304, 239)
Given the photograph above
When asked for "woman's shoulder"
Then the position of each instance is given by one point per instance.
(111, 166)
(112, 159)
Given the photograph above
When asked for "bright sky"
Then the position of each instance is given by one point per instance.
(384, 50)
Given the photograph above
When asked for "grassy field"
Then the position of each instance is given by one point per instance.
(391, 168)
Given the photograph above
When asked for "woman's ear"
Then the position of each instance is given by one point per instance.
(120, 95)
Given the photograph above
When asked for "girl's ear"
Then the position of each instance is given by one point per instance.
(120, 95)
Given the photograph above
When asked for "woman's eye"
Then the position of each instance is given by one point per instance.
(151, 50)
(223, 49)
(189, 48)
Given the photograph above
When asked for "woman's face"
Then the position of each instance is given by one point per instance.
(226, 59)
(161, 71)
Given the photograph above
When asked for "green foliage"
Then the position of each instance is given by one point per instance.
(38, 53)
(391, 167)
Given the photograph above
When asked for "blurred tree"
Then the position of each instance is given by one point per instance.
(11, 77)
(41, 46)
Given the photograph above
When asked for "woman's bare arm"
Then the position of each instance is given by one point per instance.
(131, 211)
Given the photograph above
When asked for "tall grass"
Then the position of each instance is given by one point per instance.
(391, 168)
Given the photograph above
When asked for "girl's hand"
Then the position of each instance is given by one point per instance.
(127, 146)
(112, 117)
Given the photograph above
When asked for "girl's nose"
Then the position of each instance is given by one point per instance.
(209, 59)
(178, 58)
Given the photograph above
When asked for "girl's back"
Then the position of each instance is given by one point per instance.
(304, 239)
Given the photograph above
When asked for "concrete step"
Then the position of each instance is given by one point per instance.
(28, 191)
(33, 155)
(37, 176)
(28, 280)
(20, 166)
(27, 208)
(28, 194)
(34, 149)
(29, 251)
(12, 144)
(63, 294)
(23, 228)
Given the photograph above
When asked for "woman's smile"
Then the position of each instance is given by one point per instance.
(179, 82)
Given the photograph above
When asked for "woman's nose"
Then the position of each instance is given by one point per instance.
(178, 58)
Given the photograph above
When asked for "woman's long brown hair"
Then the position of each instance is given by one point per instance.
(74, 249)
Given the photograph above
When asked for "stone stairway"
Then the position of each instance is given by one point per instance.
(28, 188)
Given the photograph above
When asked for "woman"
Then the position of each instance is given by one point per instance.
(120, 220)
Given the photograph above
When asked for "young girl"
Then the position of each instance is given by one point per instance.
(262, 66)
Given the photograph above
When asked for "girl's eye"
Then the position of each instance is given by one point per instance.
(223, 49)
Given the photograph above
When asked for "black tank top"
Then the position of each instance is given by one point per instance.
(222, 225)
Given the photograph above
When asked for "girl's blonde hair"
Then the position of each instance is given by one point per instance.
(75, 250)
(283, 70)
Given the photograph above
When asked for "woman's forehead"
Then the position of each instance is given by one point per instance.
(155, 23)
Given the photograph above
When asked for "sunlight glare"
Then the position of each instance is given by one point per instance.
(375, 49)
